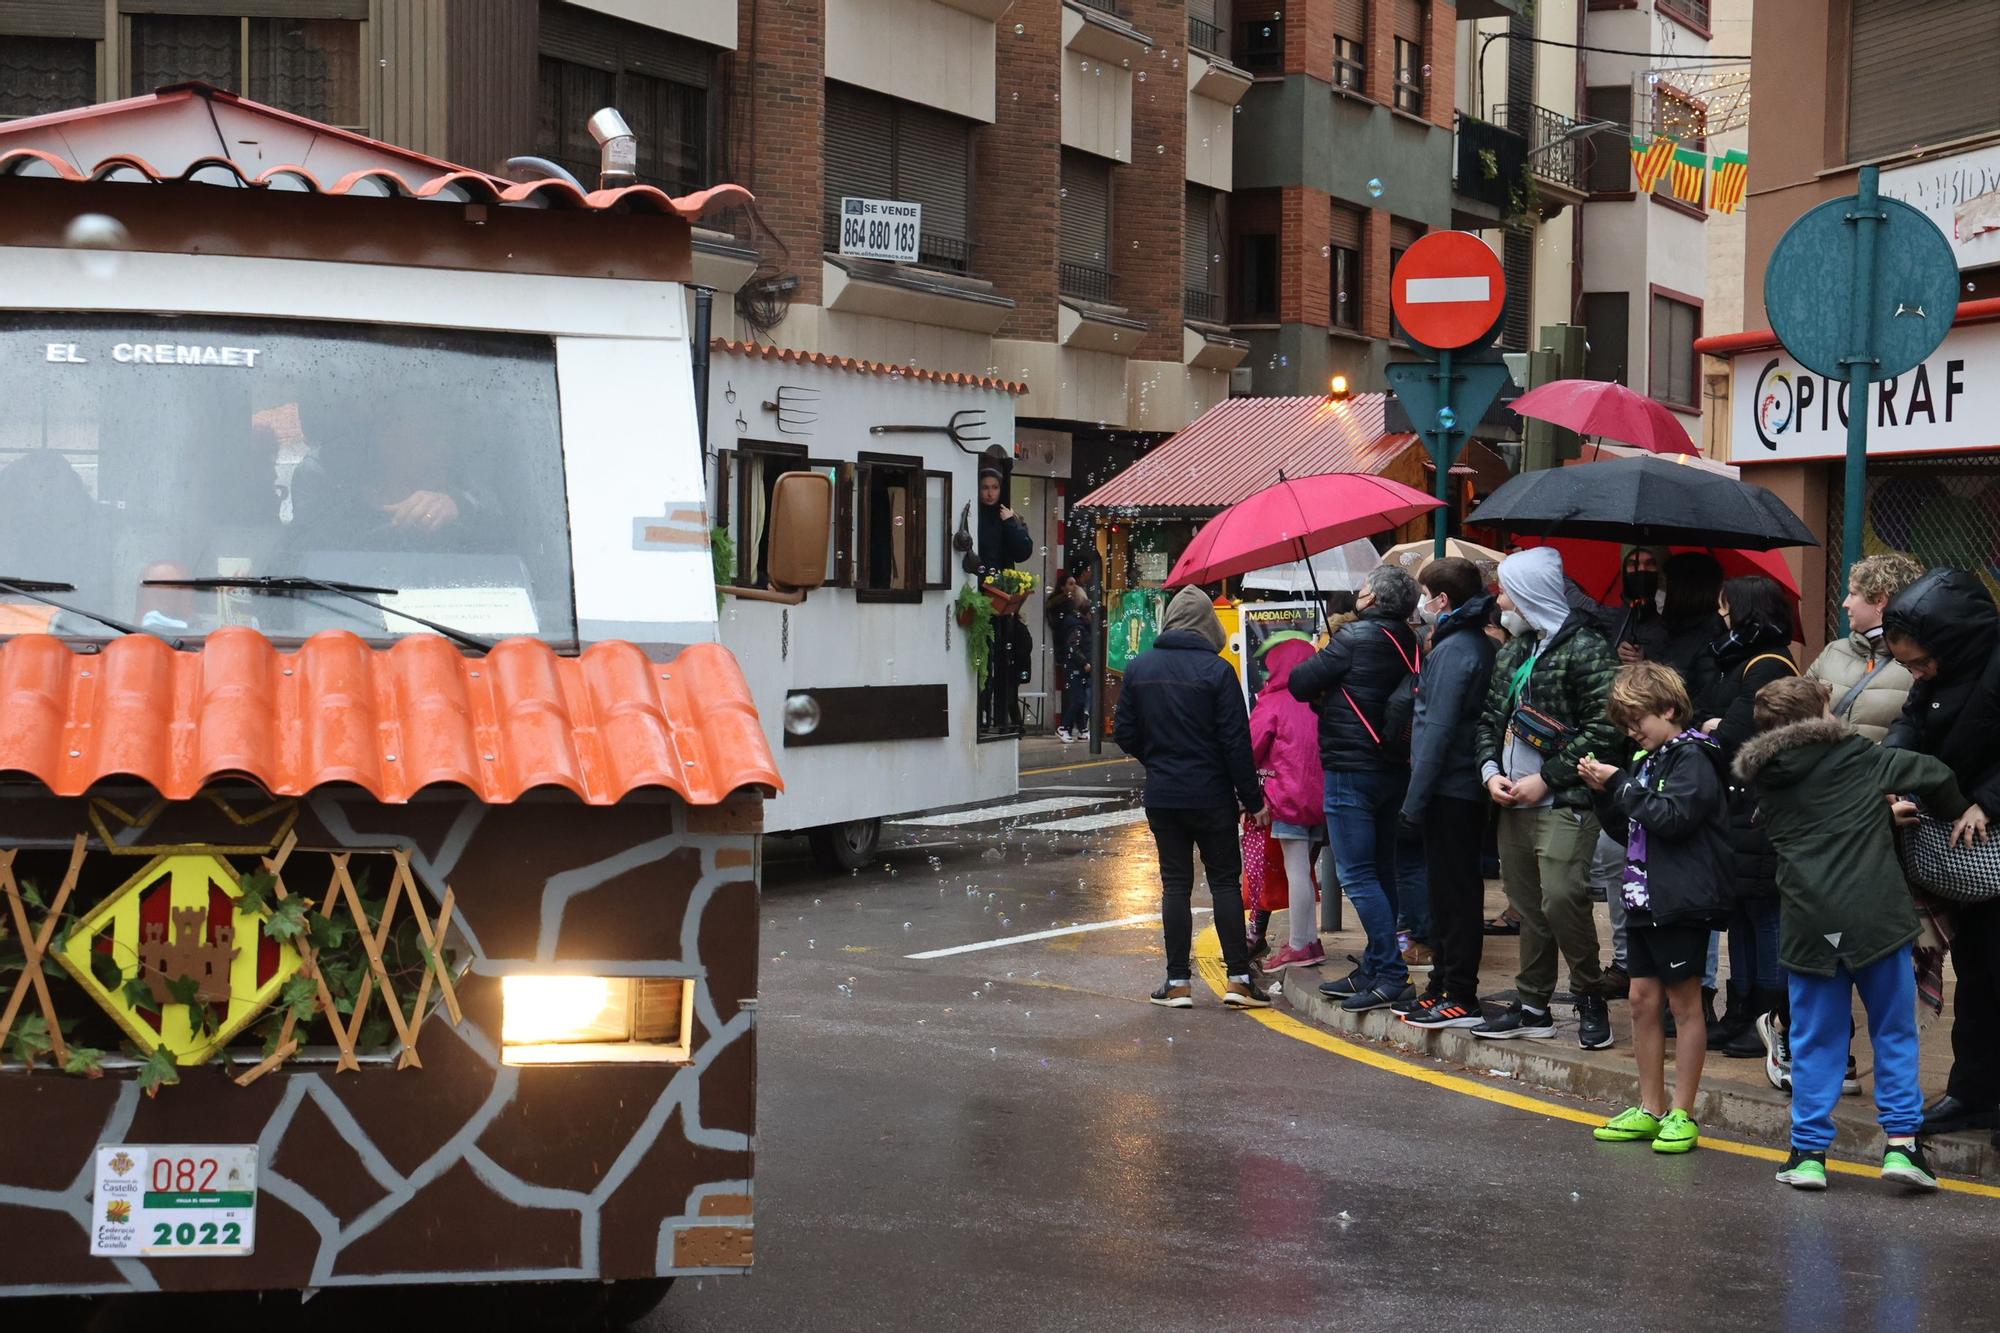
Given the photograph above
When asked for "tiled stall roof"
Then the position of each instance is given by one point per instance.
(765, 352)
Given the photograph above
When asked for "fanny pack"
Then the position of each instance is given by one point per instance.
(1539, 731)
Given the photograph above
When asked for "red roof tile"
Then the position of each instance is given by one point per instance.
(392, 721)
(1238, 447)
(764, 352)
(76, 146)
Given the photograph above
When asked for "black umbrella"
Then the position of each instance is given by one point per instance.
(1646, 501)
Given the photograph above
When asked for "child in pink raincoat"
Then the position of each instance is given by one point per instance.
(1284, 739)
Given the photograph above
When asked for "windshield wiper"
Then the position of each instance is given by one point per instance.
(277, 583)
(33, 590)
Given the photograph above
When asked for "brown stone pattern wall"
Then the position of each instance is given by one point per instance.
(1375, 275)
(1016, 162)
(1308, 33)
(1380, 47)
(777, 118)
(1305, 294)
(1149, 200)
(1441, 54)
(464, 1169)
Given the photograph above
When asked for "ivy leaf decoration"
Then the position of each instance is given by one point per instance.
(138, 993)
(29, 1041)
(375, 1033)
(270, 1027)
(85, 1060)
(329, 932)
(301, 997)
(257, 887)
(185, 990)
(31, 895)
(158, 1072)
(287, 920)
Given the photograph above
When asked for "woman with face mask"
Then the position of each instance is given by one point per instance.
(1637, 628)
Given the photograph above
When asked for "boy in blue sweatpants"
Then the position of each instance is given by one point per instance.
(1846, 922)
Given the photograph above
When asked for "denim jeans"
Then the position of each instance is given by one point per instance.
(1413, 882)
(1361, 810)
(1753, 943)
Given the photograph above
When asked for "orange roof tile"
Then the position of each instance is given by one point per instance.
(764, 352)
(392, 721)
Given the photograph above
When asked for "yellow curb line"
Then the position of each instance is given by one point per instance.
(1208, 961)
(1070, 768)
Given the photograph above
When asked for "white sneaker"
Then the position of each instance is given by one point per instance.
(1064, 735)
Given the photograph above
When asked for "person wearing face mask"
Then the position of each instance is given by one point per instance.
(1945, 631)
(1638, 629)
(1544, 712)
(1693, 581)
(1755, 651)
(1444, 801)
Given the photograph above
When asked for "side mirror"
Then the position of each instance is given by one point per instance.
(801, 515)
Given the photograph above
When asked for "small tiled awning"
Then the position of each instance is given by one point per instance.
(392, 721)
(1239, 446)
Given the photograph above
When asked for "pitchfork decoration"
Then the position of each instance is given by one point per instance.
(958, 430)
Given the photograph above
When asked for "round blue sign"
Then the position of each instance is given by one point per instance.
(1809, 289)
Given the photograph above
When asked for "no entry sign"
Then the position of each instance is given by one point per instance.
(1449, 290)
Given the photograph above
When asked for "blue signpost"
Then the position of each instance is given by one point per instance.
(1445, 398)
(1861, 290)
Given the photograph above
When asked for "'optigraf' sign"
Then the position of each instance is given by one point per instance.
(1782, 412)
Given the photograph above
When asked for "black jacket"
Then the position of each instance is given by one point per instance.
(1688, 650)
(1002, 542)
(1956, 714)
(1365, 661)
(1682, 807)
(1181, 714)
(1745, 666)
(1450, 689)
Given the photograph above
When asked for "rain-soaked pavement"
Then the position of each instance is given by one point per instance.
(1012, 1138)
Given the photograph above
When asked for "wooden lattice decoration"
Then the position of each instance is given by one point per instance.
(341, 893)
(35, 945)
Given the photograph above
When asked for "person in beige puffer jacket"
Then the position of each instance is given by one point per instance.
(1862, 659)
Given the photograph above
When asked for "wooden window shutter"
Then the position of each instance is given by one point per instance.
(1406, 19)
(1086, 210)
(1346, 227)
(1350, 19)
(859, 130)
(1920, 72)
(934, 167)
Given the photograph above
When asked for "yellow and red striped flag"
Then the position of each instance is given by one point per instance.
(1649, 161)
(1690, 176)
(1732, 180)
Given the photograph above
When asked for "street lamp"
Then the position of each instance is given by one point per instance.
(1572, 134)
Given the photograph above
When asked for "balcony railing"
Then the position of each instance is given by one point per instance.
(1201, 305)
(1206, 36)
(1086, 282)
(1489, 163)
(1694, 11)
(1555, 153)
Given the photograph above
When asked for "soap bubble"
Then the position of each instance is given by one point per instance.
(802, 715)
(97, 243)
(1326, 252)
(1020, 28)
(1447, 418)
(1374, 187)
(1159, 148)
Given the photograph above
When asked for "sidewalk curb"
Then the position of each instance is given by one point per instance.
(1757, 1114)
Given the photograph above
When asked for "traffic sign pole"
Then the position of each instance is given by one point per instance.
(1442, 452)
(1861, 364)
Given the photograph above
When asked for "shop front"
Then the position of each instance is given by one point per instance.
(1933, 484)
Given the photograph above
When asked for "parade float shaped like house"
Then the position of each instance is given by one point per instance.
(468, 923)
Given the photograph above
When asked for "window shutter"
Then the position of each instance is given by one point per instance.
(1611, 157)
(54, 18)
(569, 33)
(172, 48)
(1196, 248)
(1607, 326)
(859, 131)
(1407, 20)
(1403, 235)
(1517, 261)
(933, 166)
(1086, 211)
(43, 74)
(1350, 19)
(1346, 227)
(1920, 72)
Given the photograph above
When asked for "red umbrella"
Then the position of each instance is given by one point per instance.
(1295, 519)
(1597, 565)
(1609, 410)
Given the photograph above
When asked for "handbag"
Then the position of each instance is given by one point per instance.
(1265, 888)
(1966, 874)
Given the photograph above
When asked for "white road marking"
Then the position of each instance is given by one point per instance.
(1089, 823)
(1084, 929)
(991, 813)
(1438, 291)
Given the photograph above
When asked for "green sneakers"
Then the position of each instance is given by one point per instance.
(1629, 1126)
(1909, 1166)
(1805, 1170)
(1678, 1133)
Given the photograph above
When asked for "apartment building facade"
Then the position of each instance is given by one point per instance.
(1905, 86)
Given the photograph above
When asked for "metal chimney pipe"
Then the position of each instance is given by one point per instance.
(618, 149)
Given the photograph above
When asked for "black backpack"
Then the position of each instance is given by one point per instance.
(1399, 710)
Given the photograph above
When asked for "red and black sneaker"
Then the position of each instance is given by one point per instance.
(1449, 1014)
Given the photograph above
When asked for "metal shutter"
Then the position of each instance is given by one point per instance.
(934, 167)
(1517, 261)
(1406, 20)
(1350, 19)
(54, 18)
(860, 129)
(39, 75)
(1086, 210)
(1920, 72)
(1196, 243)
(1403, 235)
(569, 33)
(1520, 72)
(1346, 227)
(1611, 157)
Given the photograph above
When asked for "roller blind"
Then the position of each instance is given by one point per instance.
(1403, 235)
(1346, 227)
(578, 35)
(860, 131)
(1086, 210)
(1406, 18)
(1195, 249)
(53, 18)
(1350, 19)
(1920, 72)
(933, 166)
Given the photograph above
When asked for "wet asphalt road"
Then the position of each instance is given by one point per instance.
(1013, 1138)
